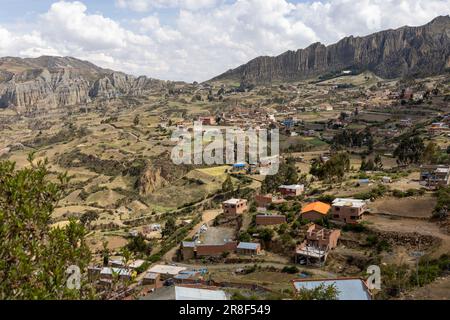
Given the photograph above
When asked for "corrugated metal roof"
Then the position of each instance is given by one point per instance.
(233, 201)
(348, 289)
(151, 275)
(292, 186)
(248, 246)
(184, 293)
(164, 269)
(188, 244)
(118, 271)
(182, 276)
(341, 202)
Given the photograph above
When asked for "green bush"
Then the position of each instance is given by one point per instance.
(155, 258)
(290, 269)
(355, 227)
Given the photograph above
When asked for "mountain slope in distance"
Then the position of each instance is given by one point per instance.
(63, 81)
(407, 51)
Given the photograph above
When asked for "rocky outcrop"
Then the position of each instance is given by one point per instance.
(151, 180)
(56, 81)
(407, 51)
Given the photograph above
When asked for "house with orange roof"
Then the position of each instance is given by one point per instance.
(315, 211)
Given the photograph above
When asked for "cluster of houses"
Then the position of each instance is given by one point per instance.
(117, 269)
(172, 282)
(318, 242)
(434, 176)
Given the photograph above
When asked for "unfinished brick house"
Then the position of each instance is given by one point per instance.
(215, 250)
(270, 220)
(265, 200)
(207, 121)
(187, 250)
(291, 190)
(318, 243)
(234, 207)
(191, 250)
(348, 211)
(315, 211)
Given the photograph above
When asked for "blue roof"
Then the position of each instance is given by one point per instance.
(183, 276)
(348, 289)
(248, 246)
(239, 165)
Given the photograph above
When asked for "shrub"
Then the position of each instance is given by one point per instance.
(355, 227)
(290, 269)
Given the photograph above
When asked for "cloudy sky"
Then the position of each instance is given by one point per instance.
(193, 39)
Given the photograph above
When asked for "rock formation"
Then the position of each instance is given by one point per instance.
(408, 51)
(151, 180)
(57, 81)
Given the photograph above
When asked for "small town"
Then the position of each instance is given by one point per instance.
(252, 175)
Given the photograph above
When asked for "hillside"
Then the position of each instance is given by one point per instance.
(48, 82)
(407, 51)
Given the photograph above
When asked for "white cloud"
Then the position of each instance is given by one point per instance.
(199, 44)
(146, 5)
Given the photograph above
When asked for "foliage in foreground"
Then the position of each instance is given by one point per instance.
(321, 292)
(33, 256)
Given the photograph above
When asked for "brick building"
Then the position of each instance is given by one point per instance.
(234, 207)
(291, 190)
(315, 211)
(270, 220)
(265, 200)
(248, 248)
(348, 210)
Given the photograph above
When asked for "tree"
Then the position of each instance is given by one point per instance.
(291, 172)
(321, 292)
(89, 216)
(367, 166)
(333, 169)
(431, 153)
(378, 162)
(266, 234)
(409, 150)
(227, 185)
(105, 253)
(169, 227)
(287, 174)
(138, 244)
(34, 258)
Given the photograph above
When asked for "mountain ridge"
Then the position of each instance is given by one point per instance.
(392, 53)
(49, 81)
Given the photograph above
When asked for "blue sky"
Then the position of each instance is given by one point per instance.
(193, 39)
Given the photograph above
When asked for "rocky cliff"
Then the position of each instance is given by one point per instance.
(407, 51)
(63, 81)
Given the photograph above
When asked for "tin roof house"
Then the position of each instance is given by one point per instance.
(347, 288)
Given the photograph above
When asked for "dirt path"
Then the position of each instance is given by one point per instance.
(405, 225)
(124, 131)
